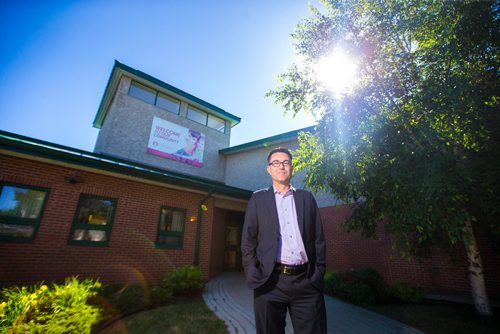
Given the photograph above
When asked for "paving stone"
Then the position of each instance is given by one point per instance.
(232, 301)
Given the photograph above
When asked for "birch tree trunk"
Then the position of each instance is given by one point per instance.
(476, 274)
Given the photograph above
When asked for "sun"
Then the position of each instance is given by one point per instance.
(337, 72)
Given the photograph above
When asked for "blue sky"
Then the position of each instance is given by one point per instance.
(56, 58)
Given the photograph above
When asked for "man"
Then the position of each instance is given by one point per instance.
(283, 250)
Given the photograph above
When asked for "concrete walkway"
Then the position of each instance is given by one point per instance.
(231, 300)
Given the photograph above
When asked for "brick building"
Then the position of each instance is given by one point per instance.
(162, 189)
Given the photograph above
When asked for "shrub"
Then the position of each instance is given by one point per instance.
(54, 309)
(362, 287)
(126, 299)
(184, 281)
(118, 301)
(159, 295)
(121, 300)
(405, 292)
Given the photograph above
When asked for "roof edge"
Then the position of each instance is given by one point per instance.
(264, 142)
(35, 147)
(114, 79)
(107, 96)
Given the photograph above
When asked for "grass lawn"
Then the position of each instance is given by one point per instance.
(441, 318)
(193, 316)
(188, 316)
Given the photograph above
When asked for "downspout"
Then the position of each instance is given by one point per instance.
(198, 228)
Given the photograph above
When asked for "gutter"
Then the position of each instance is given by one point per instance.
(31, 147)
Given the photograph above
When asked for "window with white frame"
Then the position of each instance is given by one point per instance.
(172, 105)
(197, 115)
(142, 92)
(165, 102)
(216, 123)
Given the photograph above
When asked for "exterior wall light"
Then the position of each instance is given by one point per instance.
(73, 179)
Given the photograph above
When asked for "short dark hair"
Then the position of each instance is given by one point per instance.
(279, 149)
(195, 134)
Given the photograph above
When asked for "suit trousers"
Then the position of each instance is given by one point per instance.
(293, 293)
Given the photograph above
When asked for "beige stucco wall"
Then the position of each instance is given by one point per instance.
(125, 134)
(247, 170)
(126, 129)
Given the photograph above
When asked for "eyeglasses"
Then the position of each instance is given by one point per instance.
(276, 163)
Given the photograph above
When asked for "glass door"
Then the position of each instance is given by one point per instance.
(232, 253)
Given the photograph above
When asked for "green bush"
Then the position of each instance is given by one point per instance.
(184, 281)
(118, 301)
(55, 309)
(159, 295)
(126, 299)
(405, 292)
(361, 287)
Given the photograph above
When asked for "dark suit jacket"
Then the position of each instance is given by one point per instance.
(261, 236)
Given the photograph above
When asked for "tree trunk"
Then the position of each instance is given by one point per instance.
(476, 274)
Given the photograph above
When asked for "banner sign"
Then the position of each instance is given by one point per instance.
(175, 142)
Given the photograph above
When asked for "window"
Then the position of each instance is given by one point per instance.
(93, 221)
(216, 123)
(197, 115)
(172, 105)
(171, 228)
(21, 209)
(167, 103)
(142, 92)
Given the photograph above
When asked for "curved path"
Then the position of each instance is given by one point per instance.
(231, 300)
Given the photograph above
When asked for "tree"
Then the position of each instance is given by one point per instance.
(416, 142)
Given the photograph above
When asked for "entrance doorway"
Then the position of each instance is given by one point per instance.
(232, 242)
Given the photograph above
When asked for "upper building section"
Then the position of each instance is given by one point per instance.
(250, 160)
(147, 120)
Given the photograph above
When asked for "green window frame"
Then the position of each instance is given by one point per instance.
(171, 228)
(93, 221)
(21, 210)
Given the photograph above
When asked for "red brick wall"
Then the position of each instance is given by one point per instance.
(445, 271)
(131, 255)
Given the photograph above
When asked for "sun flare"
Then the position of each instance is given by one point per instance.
(337, 72)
